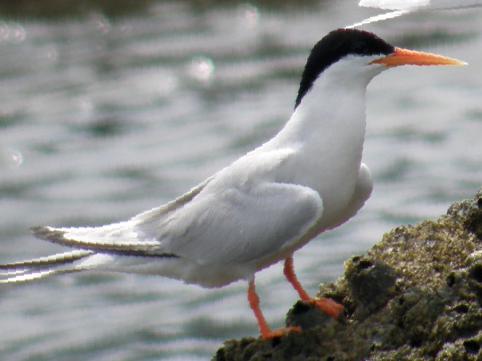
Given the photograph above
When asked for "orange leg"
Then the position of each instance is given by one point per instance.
(327, 305)
(265, 330)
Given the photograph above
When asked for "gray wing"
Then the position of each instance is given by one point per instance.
(239, 215)
(237, 224)
(118, 238)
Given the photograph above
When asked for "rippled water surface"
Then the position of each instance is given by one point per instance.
(104, 116)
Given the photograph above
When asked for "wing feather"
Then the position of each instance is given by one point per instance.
(242, 225)
(246, 212)
(241, 214)
(118, 238)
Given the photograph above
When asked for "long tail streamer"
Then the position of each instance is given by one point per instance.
(38, 268)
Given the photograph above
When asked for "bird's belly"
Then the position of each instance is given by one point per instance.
(335, 203)
(336, 192)
(190, 272)
(336, 196)
(331, 171)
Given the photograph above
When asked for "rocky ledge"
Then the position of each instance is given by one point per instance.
(416, 295)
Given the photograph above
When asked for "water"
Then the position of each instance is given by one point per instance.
(103, 117)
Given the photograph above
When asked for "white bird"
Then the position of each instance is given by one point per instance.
(264, 206)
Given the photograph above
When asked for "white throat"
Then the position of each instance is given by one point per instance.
(334, 108)
(328, 130)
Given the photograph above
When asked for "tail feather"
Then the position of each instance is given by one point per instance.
(20, 272)
(116, 238)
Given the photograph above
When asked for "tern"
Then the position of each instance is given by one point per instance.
(261, 208)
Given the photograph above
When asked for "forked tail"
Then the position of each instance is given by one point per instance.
(38, 268)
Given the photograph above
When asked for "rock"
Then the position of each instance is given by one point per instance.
(416, 295)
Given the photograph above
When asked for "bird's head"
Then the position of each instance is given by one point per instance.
(354, 57)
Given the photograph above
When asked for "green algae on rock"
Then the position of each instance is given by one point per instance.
(416, 295)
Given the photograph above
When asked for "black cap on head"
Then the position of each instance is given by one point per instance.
(336, 45)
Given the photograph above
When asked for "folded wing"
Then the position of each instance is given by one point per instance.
(229, 219)
(240, 224)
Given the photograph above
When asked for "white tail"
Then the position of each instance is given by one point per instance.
(38, 268)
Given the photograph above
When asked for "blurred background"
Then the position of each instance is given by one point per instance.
(109, 108)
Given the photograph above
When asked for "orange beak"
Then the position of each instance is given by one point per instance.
(410, 57)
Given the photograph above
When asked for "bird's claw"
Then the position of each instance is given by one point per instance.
(280, 332)
(328, 306)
